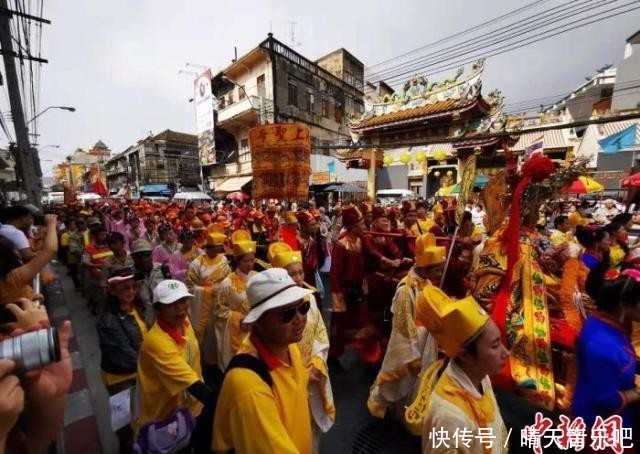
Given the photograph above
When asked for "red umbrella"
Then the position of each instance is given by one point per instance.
(238, 196)
(631, 182)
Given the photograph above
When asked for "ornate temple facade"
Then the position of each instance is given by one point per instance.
(423, 130)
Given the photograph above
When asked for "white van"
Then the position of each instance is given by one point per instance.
(394, 196)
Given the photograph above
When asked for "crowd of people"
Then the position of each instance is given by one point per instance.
(225, 320)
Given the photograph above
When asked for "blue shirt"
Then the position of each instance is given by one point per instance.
(589, 260)
(606, 367)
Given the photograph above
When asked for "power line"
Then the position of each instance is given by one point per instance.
(511, 47)
(6, 130)
(528, 24)
(535, 103)
(520, 38)
(461, 33)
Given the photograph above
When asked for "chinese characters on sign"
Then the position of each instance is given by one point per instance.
(570, 435)
(607, 434)
(280, 161)
(203, 99)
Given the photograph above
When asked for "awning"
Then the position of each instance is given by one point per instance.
(233, 184)
(345, 188)
(553, 138)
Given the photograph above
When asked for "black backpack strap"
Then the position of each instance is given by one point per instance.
(246, 361)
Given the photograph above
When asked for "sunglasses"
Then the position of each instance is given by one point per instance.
(287, 315)
(142, 254)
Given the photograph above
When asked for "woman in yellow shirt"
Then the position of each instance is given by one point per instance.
(120, 331)
(462, 398)
(619, 248)
(230, 304)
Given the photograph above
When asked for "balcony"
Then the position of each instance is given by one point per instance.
(245, 112)
(116, 170)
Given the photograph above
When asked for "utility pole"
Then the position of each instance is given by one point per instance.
(28, 170)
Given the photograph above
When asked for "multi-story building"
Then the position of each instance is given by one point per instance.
(626, 92)
(77, 170)
(169, 158)
(274, 83)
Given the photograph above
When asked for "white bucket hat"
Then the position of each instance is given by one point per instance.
(170, 291)
(271, 289)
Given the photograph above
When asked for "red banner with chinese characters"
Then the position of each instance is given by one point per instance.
(280, 161)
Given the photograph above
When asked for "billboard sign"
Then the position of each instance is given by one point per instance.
(203, 99)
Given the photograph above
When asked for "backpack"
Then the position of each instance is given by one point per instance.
(242, 361)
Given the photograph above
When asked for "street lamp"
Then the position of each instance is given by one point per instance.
(70, 109)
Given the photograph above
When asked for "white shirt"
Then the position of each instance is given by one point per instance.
(16, 236)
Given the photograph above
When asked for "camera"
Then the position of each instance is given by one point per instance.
(33, 350)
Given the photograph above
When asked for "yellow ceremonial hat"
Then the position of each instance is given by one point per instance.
(427, 253)
(281, 255)
(453, 323)
(242, 243)
(215, 239)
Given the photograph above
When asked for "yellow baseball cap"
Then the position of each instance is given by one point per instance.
(242, 243)
(453, 323)
(427, 253)
(281, 255)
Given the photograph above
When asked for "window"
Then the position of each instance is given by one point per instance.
(241, 93)
(325, 107)
(348, 101)
(293, 93)
(244, 154)
(348, 78)
(262, 89)
(230, 98)
(311, 101)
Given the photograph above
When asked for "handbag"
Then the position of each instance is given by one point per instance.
(168, 436)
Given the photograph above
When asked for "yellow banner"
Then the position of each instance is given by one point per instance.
(280, 161)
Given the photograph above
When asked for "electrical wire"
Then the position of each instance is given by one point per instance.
(5, 129)
(522, 27)
(535, 103)
(520, 41)
(461, 33)
(520, 44)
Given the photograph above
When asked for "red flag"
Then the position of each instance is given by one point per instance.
(288, 234)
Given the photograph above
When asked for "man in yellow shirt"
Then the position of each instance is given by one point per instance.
(169, 372)
(562, 233)
(263, 407)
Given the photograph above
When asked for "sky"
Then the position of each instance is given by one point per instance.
(117, 61)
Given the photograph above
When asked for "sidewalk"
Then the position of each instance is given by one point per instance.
(87, 421)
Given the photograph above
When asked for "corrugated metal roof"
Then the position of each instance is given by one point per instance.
(608, 129)
(554, 138)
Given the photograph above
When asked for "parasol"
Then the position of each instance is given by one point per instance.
(631, 182)
(583, 185)
(238, 196)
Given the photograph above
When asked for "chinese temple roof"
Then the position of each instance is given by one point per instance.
(419, 100)
(438, 109)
